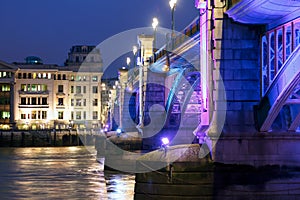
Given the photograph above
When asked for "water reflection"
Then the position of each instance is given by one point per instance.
(59, 173)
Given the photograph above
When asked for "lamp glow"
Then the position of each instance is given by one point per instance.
(134, 49)
(119, 131)
(128, 61)
(165, 141)
(172, 3)
(154, 23)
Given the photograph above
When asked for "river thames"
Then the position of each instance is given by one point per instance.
(59, 173)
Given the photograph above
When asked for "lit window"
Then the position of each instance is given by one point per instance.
(49, 75)
(95, 78)
(61, 115)
(5, 115)
(44, 75)
(23, 116)
(5, 88)
(33, 87)
(33, 114)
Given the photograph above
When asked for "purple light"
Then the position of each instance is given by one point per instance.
(165, 141)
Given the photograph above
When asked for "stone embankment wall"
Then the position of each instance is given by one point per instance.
(43, 138)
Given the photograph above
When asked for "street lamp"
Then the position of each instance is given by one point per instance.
(128, 61)
(154, 25)
(134, 50)
(173, 5)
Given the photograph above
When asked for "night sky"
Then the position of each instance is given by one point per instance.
(48, 29)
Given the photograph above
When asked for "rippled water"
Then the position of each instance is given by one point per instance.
(59, 173)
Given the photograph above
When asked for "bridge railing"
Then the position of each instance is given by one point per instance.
(191, 30)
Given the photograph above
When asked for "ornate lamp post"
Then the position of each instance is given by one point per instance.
(173, 5)
(154, 25)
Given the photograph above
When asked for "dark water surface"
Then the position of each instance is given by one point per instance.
(59, 173)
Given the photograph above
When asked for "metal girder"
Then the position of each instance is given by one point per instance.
(282, 87)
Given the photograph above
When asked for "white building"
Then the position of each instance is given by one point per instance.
(51, 96)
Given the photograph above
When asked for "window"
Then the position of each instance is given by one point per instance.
(24, 75)
(60, 101)
(84, 102)
(33, 114)
(5, 101)
(72, 115)
(60, 88)
(44, 101)
(29, 75)
(72, 89)
(95, 102)
(78, 102)
(19, 75)
(23, 101)
(23, 116)
(44, 88)
(34, 76)
(5, 115)
(34, 88)
(84, 114)
(5, 88)
(95, 78)
(49, 75)
(58, 77)
(72, 102)
(72, 78)
(44, 114)
(33, 100)
(23, 87)
(84, 89)
(95, 89)
(78, 115)
(60, 115)
(64, 77)
(78, 89)
(39, 115)
(95, 114)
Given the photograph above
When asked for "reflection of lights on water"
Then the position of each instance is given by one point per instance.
(120, 187)
(73, 149)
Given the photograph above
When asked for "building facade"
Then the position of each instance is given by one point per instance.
(7, 74)
(60, 97)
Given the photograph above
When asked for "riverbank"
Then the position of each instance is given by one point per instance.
(45, 138)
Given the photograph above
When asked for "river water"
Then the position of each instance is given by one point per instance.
(59, 173)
